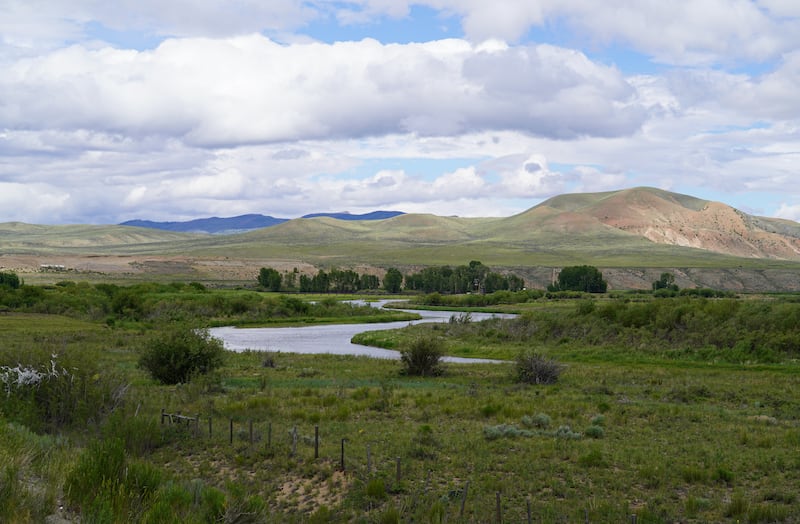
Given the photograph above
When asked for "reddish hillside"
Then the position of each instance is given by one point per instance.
(669, 218)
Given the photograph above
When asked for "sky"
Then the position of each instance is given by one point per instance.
(182, 109)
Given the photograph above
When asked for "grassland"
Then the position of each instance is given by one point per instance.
(656, 422)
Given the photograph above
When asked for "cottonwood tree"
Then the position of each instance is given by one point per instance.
(270, 278)
(580, 278)
(393, 280)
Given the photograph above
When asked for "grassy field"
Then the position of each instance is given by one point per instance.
(630, 428)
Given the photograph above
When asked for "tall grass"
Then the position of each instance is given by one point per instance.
(613, 437)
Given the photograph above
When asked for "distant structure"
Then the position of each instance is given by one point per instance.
(52, 267)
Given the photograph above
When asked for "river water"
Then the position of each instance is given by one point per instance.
(330, 338)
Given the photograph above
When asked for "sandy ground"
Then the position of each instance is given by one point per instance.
(226, 271)
(40, 268)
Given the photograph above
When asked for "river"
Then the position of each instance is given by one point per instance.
(330, 338)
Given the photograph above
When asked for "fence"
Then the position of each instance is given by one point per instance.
(250, 433)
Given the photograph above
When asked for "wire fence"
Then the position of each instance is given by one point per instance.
(364, 463)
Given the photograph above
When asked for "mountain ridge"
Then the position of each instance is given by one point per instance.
(633, 227)
(244, 223)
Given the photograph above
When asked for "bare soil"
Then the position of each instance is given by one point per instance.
(240, 271)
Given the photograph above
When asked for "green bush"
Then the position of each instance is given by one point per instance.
(594, 431)
(505, 431)
(540, 420)
(376, 489)
(10, 279)
(175, 356)
(423, 357)
(534, 368)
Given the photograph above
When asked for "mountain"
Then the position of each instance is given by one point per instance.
(242, 223)
(213, 225)
(374, 215)
(632, 235)
(666, 218)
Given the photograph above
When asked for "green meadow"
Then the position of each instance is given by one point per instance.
(672, 409)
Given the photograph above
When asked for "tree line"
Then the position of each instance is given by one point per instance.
(472, 278)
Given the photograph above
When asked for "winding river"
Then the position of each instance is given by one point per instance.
(330, 338)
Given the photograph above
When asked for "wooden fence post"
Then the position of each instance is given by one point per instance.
(464, 500)
(499, 510)
(209, 427)
(316, 442)
(342, 458)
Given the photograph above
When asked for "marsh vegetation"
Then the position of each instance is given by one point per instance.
(670, 408)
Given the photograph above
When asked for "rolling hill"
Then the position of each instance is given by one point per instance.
(661, 217)
(633, 232)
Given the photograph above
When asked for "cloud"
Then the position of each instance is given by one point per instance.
(52, 23)
(788, 212)
(44, 203)
(250, 89)
(594, 180)
(531, 178)
(213, 117)
(689, 32)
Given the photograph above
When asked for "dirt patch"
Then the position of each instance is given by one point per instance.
(308, 495)
(50, 269)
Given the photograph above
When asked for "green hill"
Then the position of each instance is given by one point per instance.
(640, 227)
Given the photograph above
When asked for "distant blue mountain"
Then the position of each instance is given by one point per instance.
(214, 225)
(242, 223)
(375, 215)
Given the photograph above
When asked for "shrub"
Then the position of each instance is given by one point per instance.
(534, 368)
(595, 432)
(540, 420)
(376, 489)
(175, 356)
(505, 431)
(593, 459)
(98, 473)
(50, 391)
(598, 420)
(10, 279)
(566, 433)
(423, 357)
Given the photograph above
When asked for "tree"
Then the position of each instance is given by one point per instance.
(393, 280)
(580, 278)
(306, 284)
(369, 282)
(515, 283)
(667, 281)
(290, 278)
(10, 279)
(270, 278)
(343, 280)
(321, 282)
